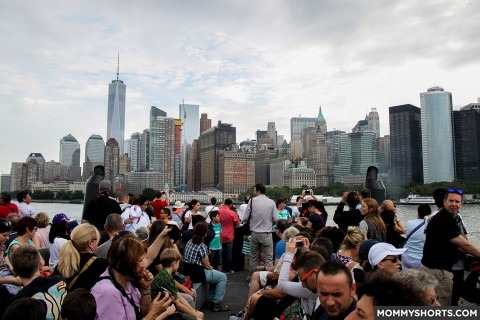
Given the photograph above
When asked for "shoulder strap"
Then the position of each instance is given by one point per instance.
(110, 277)
(251, 211)
(85, 267)
(414, 230)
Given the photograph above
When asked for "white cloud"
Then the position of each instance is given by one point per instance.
(270, 60)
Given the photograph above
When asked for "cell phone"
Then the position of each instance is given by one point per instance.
(307, 192)
(299, 243)
(163, 292)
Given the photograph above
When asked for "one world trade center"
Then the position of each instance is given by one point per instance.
(116, 111)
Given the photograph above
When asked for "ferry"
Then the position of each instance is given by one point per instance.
(327, 200)
(416, 199)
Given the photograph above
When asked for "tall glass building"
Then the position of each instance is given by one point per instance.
(437, 135)
(94, 154)
(116, 112)
(134, 153)
(190, 119)
(162, 146)
(70, 156)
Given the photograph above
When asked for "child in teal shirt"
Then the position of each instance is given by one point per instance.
(216, 244)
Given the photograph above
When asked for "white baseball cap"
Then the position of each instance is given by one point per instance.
(381, 250)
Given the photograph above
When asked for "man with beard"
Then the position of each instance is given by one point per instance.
(335, 289)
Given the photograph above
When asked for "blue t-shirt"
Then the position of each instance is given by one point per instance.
(280, 249)
(216, 243)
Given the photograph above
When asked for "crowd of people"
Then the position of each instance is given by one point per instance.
(135, 259)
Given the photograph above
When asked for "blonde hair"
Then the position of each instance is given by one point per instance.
(374, 216)
(42, 219)
(353, 238)
(69, 260)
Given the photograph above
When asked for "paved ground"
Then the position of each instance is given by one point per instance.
(236, 297)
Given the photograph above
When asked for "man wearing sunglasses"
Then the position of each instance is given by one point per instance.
(443, 243)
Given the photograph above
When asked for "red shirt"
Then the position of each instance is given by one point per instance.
(228, 221)
(7, 208)
(158, 205)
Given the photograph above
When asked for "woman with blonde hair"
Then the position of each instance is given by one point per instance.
(348, 253)
(372, 224)
(43, 220)
(78, 263)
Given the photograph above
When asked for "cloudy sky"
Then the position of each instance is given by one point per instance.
(244, 62)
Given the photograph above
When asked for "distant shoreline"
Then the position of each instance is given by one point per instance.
(58, 201)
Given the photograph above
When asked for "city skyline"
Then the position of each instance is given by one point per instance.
(239, 67)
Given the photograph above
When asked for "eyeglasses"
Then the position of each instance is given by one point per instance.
(394, 260)
(433, 299)
(453, 190)
(308, 274)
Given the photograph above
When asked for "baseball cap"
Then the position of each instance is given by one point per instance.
(381, 250)
(135, 212)
(365, 248)
(60, 217)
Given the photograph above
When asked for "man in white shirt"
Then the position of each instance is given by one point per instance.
(24, 208)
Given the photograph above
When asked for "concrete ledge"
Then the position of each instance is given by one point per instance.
(202, 294)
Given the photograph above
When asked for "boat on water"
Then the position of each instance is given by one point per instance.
(416, 199)
(327, 200)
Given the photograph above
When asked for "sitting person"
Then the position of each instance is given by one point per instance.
(57, 237)
(26, 264)
(170, 259)
(79, 304)
(197, 266)
(43, 220)
(381, 290)
(123, 290)
(348, 253)
(9, 284)
(78, 263)
(386, 257)
(422, 281)
(135, 217)
(26, 309)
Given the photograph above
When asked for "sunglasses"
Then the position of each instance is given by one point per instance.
(457, 191)
(394, 260)
(308, 274)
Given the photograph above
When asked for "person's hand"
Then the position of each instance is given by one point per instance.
(199, 315)
(160, 307)
(165, 231)
(170, 310)
(303, 193)
(193, 295)
(291, 246)
(344, 197)
(128, 221)
(145, 279)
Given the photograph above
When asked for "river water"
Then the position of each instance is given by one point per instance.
(404, 213)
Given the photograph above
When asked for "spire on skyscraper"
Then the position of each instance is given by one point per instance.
(118, 64)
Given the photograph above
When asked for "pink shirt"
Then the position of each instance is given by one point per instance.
(111, 304)
(228, 220)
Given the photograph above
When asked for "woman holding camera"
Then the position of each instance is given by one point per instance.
(123, 290)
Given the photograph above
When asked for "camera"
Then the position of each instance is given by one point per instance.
(299, 243)
(307, 192)
(163, 293)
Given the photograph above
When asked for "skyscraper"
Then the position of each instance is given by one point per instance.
(94, 155)
(70, 156)
(437, 135)
(211, 142)
(467, 142)
(405, 145)
(205, 123)
(297, 125)
(188, 113)
(116, 111)
(162, 145)
(145, 151)
(134, 153)
(112, 159)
